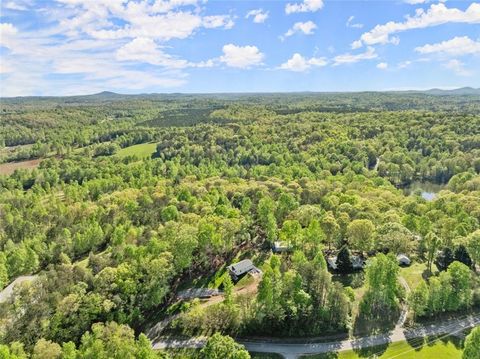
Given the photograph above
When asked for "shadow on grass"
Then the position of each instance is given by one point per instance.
(371, 352)
(416, 343)
(320, 356)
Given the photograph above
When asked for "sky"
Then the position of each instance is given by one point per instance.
(71, 47)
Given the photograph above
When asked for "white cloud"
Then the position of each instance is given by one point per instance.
(437, 14)
(382, 66)
(457, 67)
(457, 46)
(418, 2)
(160, 20)
(404, 64)
(146, 50)
(7, 33)
(350, 58)
(224, 21)
(259, 16)
(16, 5)
(415, 2)
(302, 27)
(305, 6)
(241, 56)
(299, 64)
(350, 23)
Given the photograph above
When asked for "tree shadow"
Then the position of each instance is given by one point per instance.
(416, 343)
(371, 325)
(371, 352)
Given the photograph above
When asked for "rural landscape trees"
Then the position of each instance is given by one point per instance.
(132, 200)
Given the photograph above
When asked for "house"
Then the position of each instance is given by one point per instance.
(403, 260)
(241, 268)
(281, 247)
(357, 262)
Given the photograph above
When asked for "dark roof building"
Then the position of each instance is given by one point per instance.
(238, 269)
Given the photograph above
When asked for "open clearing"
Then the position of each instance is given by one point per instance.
(445, 348)
(10, 167)
(143, 150)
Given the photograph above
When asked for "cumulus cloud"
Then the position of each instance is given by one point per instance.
(349, 58)
(305, 6)
(259, 16)
(382, 66)
(160, 20)
(146, 50)
(418, 2)
(7, 33)
(16, 5)
(350, 23)
(457, 46)
(299, 64)
(457, 67)
(306, 28)
(415, 2)
(241, 56)
(101, 41)
(437, 14)
(214, 21)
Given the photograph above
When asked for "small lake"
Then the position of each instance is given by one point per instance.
(428, 190)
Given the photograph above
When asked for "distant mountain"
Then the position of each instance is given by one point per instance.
(106, 94)
(459, 91)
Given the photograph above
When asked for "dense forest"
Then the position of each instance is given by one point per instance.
(133, 198)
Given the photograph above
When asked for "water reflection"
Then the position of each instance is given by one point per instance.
(428, 190)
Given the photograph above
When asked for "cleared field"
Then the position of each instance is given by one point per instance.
(445, 348)
(10, 167)
(414, 274)
(143, 150)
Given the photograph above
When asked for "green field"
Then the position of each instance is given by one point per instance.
(414, 274)
(142, 150)
(449, 348)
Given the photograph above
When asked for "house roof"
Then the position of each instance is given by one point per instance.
(241, 267)
(357, 262)
(403, 258)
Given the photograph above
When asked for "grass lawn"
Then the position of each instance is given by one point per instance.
(143, 150)
(446, 348)
(414, 273)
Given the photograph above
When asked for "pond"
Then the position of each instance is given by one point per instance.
(428, 190)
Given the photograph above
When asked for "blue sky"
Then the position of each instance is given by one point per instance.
(65, 47)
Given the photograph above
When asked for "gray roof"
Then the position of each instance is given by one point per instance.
(241, 267)
(357, 262)
(402, 258)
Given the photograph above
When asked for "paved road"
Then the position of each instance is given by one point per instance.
(293, 351)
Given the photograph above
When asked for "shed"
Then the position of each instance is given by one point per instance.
(280, 247)
(241, 268)
(403, 260)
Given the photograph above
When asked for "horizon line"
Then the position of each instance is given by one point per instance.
(440, 88)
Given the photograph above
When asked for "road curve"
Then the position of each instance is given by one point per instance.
(293, 351)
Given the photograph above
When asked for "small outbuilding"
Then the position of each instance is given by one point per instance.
(403, 260)
(241, 268)
(281, 247)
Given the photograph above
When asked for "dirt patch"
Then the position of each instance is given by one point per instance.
(10, 167)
